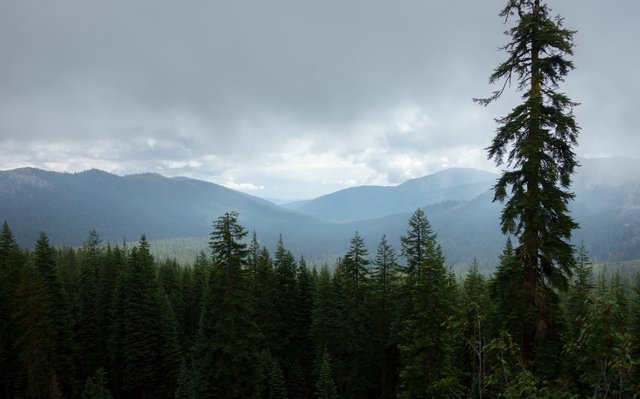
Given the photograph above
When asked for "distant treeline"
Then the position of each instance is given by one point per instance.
(109, 321)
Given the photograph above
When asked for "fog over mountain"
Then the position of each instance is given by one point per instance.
(458, 202)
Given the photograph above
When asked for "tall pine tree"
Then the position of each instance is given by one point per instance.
(535, 141)
(228, 336)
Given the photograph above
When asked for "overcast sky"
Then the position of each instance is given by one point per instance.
(288, 98)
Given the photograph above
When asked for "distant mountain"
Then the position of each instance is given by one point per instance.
(458, 202)
(368, 202)
(68, 205)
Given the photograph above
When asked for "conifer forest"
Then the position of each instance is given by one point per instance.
(111, 321)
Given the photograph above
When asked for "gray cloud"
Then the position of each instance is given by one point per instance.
(285, 98)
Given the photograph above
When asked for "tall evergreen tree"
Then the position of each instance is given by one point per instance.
(150, 343)
(89, 348)
(535, 141)
(228, 336)
(419, 243)
(326, 388)
(284, 303)
(475, 306)
(11, 264)
(428, 369)
(62, 332)
(384, 307)
(355, 261)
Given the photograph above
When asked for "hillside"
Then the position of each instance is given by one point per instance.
(369, 202)
(179, 212)
(68, 205)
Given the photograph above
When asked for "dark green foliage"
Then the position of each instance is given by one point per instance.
(419, 242)
(381, 334)
(37, 349)
(535, 141)
(579, 297)
(510, 313)
(97, 387)
(325, 387)
(187, 386)
(383, 305)
(426, 348)
(88, 337)
(11, 264)
(281, 344)
(355, 261)
(151, 356)
(603, 350)
(299, 376)
(475, 333)
(194, 284)
(61, 331)
(228, 337)
(325, 327)
(277, 388)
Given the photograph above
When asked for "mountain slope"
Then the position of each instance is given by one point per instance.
(67, 206)
(367, 202)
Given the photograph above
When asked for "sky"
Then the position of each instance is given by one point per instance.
(288, 99)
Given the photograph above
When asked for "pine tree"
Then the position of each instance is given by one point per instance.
(419, 243)
(277, 388)
(535, 141)
(97, 387)
(300, 372)
(355, 261)
(89, 349)
(580, 296)
(475, 306)
(384, 307)
(35, 342)
(228, 336)
(284, 303)
(11, 264)
(326, 388)
(150, 353)
(428, 369)
(62, 330)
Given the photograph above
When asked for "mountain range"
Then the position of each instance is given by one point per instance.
(458, 202)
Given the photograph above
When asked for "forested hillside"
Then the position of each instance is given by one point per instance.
(242, 321)
(179, 211)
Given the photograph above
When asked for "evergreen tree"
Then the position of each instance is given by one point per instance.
(277, 388)
(580, 296)
(475, 306)
(89, 348)
(428, 369)
(194, 285)
(150, 353)
(355, 261)
(326, 388)
(62, 330)
(228, 335)
(187, 386)
(325, 324)
(535, 141)
(602, 351)
(35, 341)
(284, 303)
(299, 376)
(509, 314)
(419, 242)
(384, 304)
(97, 387)
(11, 265)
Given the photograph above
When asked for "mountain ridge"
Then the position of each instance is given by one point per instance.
(68, 205)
